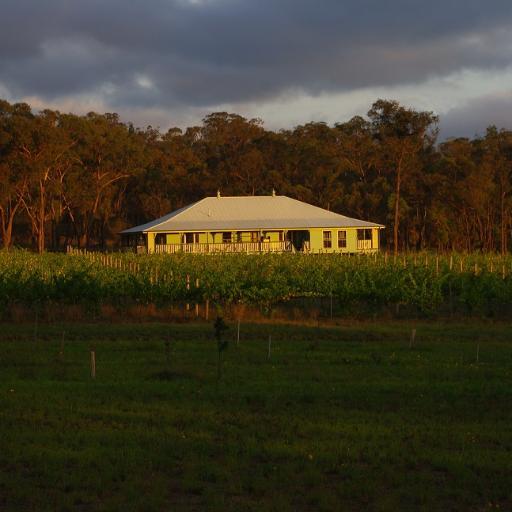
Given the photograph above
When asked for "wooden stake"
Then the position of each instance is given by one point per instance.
(238, 332)
(269, 345)
(61, 353)
(207, 309)
(413, 337)
(36, 323)
(168, 350)
(93, 364)
(188, 288)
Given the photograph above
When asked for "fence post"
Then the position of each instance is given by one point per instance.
(413, 337)
(187, 281)
(197, 305)
(93, 364)
(61, 352)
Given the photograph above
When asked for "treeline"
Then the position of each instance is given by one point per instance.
(79, 180)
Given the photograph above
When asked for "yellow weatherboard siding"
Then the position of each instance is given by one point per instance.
(151, 242)
(316, 238)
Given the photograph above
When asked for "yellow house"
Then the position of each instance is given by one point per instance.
(253, 224)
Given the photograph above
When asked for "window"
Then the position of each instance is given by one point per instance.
(364, 239)
(327, 239)
(255, 236)
(191, 238)
(226, 237)
(364, 234)
(342, 239)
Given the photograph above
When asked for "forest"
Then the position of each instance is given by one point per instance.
(68, 179)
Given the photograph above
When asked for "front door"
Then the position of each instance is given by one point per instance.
(298, 239)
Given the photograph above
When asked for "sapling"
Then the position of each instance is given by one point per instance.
(168, 351)
(61, 351)
(36, 323)
(220, 327)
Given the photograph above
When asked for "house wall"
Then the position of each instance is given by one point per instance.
(151, 242)
(173, 238)
(316, 239)
(273, 236)
(376, 238)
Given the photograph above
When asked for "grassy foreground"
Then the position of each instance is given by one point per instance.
(341, 418)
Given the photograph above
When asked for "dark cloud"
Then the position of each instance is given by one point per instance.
(176, 52)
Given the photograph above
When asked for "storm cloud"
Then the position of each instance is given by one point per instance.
(184, 55)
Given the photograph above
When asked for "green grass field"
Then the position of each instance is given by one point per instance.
(339, 418)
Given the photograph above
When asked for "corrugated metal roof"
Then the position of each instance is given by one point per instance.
(248, 213)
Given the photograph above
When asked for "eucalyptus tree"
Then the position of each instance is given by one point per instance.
(43, 148)
(317, 164)
(497, 146)
(13, 179)
(402, 136)
(366, 187)
(228, 145)
(108, 152)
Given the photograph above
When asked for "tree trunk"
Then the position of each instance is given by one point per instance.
(397, 210)
(503, 225)
(6, 230)
(6, 233)
(7, 216)
(41, 219)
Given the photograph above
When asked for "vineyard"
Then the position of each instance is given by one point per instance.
(426, 283)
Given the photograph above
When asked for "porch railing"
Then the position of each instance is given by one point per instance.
(364, 245)
(247, 247)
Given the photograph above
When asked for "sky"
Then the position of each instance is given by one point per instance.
(171, 62)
